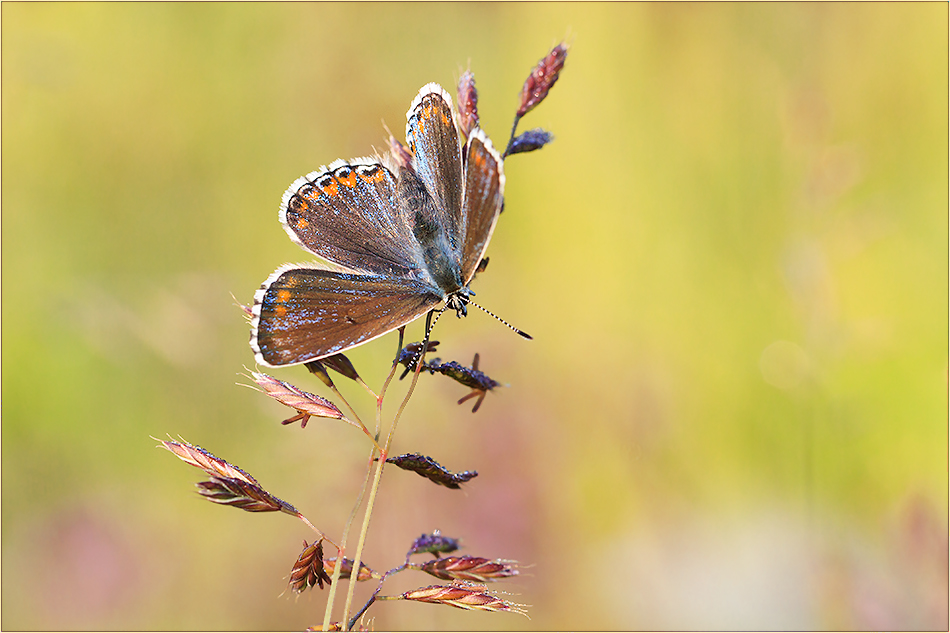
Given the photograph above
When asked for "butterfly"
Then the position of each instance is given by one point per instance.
(399, 235)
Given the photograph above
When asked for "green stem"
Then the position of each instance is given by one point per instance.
(341, 549)
(357, 558)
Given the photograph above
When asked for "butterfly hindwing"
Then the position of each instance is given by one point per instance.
(484, 194)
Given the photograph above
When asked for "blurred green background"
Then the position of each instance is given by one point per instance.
(733, 259)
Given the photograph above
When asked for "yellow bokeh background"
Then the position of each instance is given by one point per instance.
(733, 260)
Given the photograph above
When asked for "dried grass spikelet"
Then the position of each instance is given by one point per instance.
(399, 154)
(470, 598)
(238, 493)
(535, 89)
(471, 377)
(530, 141)
(469, 568)
(316, 368)
(309, 570)
(467, 104)
(200, 458)
(434, 544)
(340, 364)
(229, 485)
(329, 565)
(542, 79)
(306, 404)
(431, 470)
(410, 355)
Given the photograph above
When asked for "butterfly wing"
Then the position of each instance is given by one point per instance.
(302, 314)
(437, 159)
(483, 198)
(348, 214)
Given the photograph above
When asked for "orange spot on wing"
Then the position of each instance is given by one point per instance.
(302, 224)
(283, 296)
(331, 189)
(349, 180)
(433, 111)
(280, 311)
(376, 176)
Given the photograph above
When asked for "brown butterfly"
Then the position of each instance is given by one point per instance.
(402, 234)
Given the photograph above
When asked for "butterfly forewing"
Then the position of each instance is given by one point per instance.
(484, 191)
(434, 141)
(348, 214)
(302, 314)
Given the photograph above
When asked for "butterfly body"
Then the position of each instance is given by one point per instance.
(400, 235)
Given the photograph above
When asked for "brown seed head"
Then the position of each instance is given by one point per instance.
(309, 570)
(467, 103)
(200, 458)
(316, 368)
(461, 597)
(306, 404)
(470, 568)
(241, 494)
(542, 79)
(229, 484)
(342, 365)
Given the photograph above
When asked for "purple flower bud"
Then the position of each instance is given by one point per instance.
(530, 141)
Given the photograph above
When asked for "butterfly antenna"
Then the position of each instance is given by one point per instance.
(492, 314)
(430, 322)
